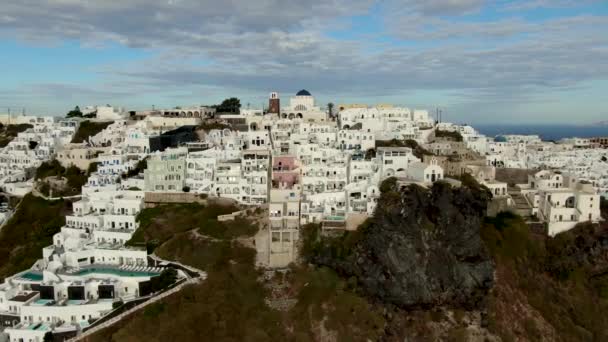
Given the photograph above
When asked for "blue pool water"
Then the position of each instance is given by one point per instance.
(114, 271)
(32, 276)
(42, 301)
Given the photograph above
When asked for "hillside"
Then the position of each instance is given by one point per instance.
(233, 303)
(88, 129)
(9, 132)
(29, 230)
(506, 283)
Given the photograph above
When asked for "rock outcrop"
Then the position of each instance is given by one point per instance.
(422, 248)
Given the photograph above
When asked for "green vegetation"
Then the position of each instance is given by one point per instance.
(74, 113)
(230, 105)
(208, 125)
(75, 177)
(139, 168)
(553, 275)
(29, 230)
(326, 299)
(166, 278)
(9, 132)
(228, 306)
(336, 247)
(49, 168)
(330, 110)
(88, 129)
(157, 225)
(92, 168)
(454, 136)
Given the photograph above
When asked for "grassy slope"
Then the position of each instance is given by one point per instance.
(9, 132)
(88, 129)
(541, 293)
(229, 305)
(29, 230)
(76, 178)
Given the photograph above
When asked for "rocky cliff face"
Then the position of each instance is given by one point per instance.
(422, 248)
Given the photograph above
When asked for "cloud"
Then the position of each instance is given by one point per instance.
(446, 7)
(212, 48)
(160, 23)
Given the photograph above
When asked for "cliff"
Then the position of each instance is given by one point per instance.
(422, 248)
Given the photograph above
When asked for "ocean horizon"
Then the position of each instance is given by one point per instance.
(546, 132)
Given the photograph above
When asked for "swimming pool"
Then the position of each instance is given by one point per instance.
(32, 276)
(42, 302)
(115, 271)
(335, 218)
(39, 326)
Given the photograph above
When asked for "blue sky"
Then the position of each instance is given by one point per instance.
(533, 61)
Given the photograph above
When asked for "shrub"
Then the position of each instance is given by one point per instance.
(186, 189)
(92, 168)
(88, 129)
(29, 230)
(166, 278)
(455, 136)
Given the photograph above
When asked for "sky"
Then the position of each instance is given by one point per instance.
(480, 61)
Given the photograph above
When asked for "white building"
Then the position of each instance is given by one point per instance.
(561, 200)
(425, 173)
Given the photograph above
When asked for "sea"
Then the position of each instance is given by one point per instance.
(546, 132)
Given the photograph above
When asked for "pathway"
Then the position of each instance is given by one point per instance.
(154, 299)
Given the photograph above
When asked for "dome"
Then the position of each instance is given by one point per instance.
(500, 138)
(303, 92)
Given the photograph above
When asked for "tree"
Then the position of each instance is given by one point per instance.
(231, 105)
(330, 110)
(32, 144)
(186, 189)
(604, 159)
(92, 168)
(167, 277)
(48, 337)
(74, 113)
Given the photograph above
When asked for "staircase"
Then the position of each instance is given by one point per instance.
(522, 206)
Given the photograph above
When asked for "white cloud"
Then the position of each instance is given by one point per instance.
(257, 46)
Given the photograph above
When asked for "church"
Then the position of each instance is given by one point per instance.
(302, 106)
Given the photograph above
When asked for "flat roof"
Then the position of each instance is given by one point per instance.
(24, 297)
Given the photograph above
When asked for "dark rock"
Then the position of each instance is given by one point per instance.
(422, 248)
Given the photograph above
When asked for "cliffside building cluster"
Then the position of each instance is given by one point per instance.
(297, 161)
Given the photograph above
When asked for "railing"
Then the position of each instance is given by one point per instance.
(194, 276)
